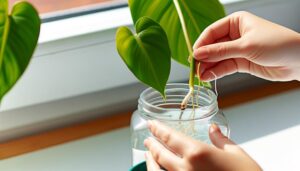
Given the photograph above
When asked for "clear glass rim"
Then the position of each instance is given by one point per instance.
(211, 105)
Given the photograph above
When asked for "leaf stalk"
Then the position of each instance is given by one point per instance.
(191, 59)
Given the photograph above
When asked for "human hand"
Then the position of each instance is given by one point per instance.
(175, 151)
(243, 42)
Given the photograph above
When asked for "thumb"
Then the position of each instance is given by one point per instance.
(219, 51)
(217, 138)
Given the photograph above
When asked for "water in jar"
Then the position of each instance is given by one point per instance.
(193, 128)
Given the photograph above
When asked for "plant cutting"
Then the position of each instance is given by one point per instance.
(165, 30)
(19, 32)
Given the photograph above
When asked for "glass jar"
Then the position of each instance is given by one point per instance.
(193, 121)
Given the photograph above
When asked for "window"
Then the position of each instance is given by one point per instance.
(76, 73)
(57, 9)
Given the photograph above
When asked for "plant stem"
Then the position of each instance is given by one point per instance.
(191, 59)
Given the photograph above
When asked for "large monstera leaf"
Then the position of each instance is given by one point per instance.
(146, 53)
(19, 32)
(198, 14)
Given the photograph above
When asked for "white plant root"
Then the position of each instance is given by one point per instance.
(186, 99)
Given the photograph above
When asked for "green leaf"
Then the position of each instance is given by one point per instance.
(198, 14)
(19, 32)
(146, 53)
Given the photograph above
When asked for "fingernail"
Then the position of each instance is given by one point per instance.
(214, 128)
(201, 53)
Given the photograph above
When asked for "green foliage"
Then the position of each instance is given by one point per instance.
(197, 15)
(19, 32)
(146, 53)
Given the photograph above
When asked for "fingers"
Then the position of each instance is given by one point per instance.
(222, 142)
(162, 155)
(225, 27)
(212, 71)
(151, 164)
(177, 142)
(215, 70)
(219, 70)
(224, 39)
(220, 51)
(218, 139)
(220, 41)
